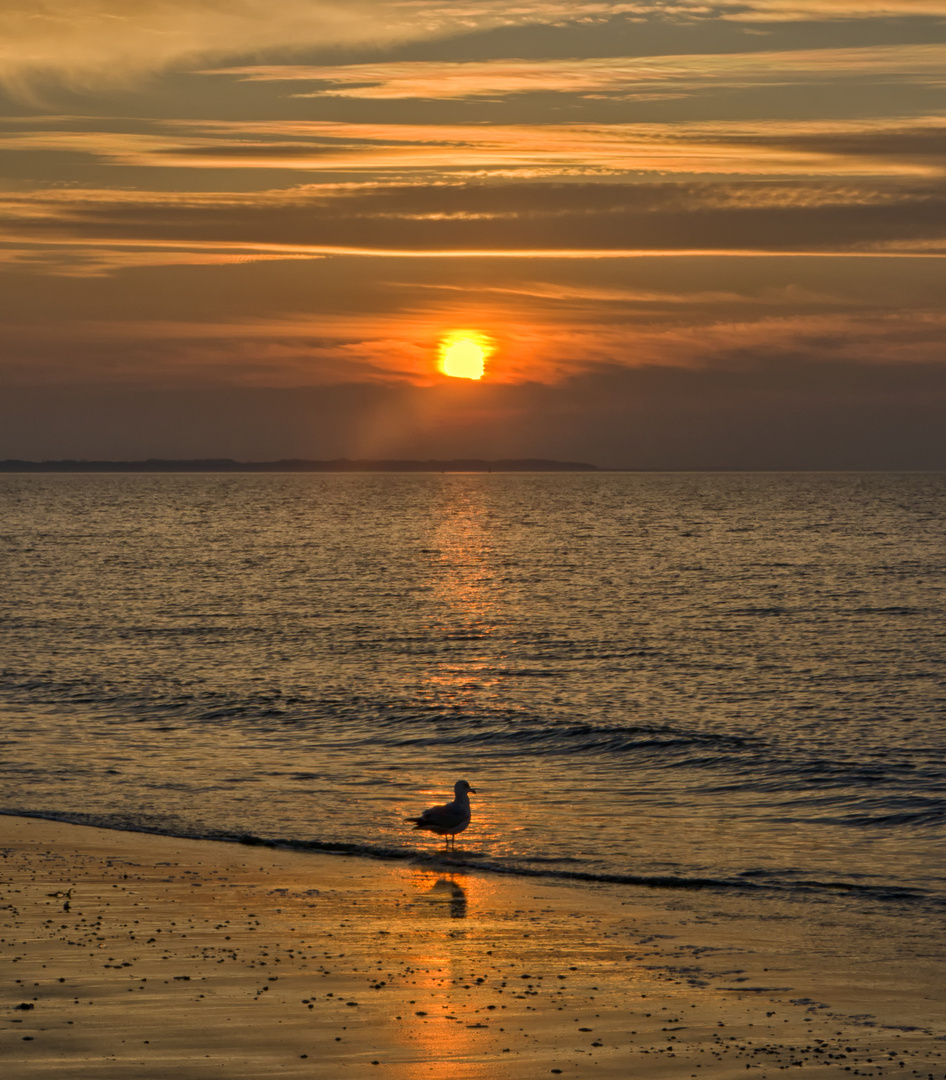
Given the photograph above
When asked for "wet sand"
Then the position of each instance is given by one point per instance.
(135, 956)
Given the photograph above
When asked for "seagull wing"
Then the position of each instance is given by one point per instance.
(452, 818)
(443, 817)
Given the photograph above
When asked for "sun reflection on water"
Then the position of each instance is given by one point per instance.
(465, 678)
(463, 590)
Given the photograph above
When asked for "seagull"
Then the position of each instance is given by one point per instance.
(447, 821)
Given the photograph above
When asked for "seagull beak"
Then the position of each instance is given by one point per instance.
(471, 790)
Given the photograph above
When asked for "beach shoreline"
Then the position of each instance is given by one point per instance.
(135, 955)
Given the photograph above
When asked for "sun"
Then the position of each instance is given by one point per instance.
(463, 354)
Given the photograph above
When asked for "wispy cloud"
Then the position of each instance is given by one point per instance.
(757, 10)
(563, 294)
(911, 147)
(91, 259)
(400, 347)
(89, 42)
(475, 220)
(93, 42)
(616, 77)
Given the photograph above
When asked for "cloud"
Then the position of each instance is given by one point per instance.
(757, 10)
(544, 333)
(888, 147)
(664, 76)
(520, 220)
(578, 296)
(99, 260)
(91, 42)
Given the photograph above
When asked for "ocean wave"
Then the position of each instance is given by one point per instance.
(791, 775)
(568, 738)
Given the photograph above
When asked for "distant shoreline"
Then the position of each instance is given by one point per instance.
(339, 465)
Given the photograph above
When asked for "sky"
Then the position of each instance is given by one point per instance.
(686, 234)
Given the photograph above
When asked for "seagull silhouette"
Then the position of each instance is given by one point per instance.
(448, 820)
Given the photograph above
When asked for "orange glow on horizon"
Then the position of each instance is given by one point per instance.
(463, 354)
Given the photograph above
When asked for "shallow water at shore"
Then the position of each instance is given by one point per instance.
(731, 678)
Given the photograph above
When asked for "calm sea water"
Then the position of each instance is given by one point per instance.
(729, 678)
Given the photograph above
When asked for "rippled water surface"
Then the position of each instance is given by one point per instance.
(722, 677)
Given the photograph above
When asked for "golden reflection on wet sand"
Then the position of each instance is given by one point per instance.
(444, 966)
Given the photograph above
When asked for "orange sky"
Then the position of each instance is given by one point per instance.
(695, 234)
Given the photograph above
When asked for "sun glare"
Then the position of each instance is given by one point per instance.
(463, 355)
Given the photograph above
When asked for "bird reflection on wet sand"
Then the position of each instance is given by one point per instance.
(457, 896)
(446, 890)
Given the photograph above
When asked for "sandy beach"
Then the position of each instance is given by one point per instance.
(131, 955)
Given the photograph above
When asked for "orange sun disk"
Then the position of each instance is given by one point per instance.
(463, 355)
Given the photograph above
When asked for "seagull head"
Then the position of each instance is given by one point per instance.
(461, 787)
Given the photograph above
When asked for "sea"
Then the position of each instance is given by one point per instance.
(679, 681)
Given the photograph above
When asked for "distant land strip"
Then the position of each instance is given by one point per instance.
(227, 465)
